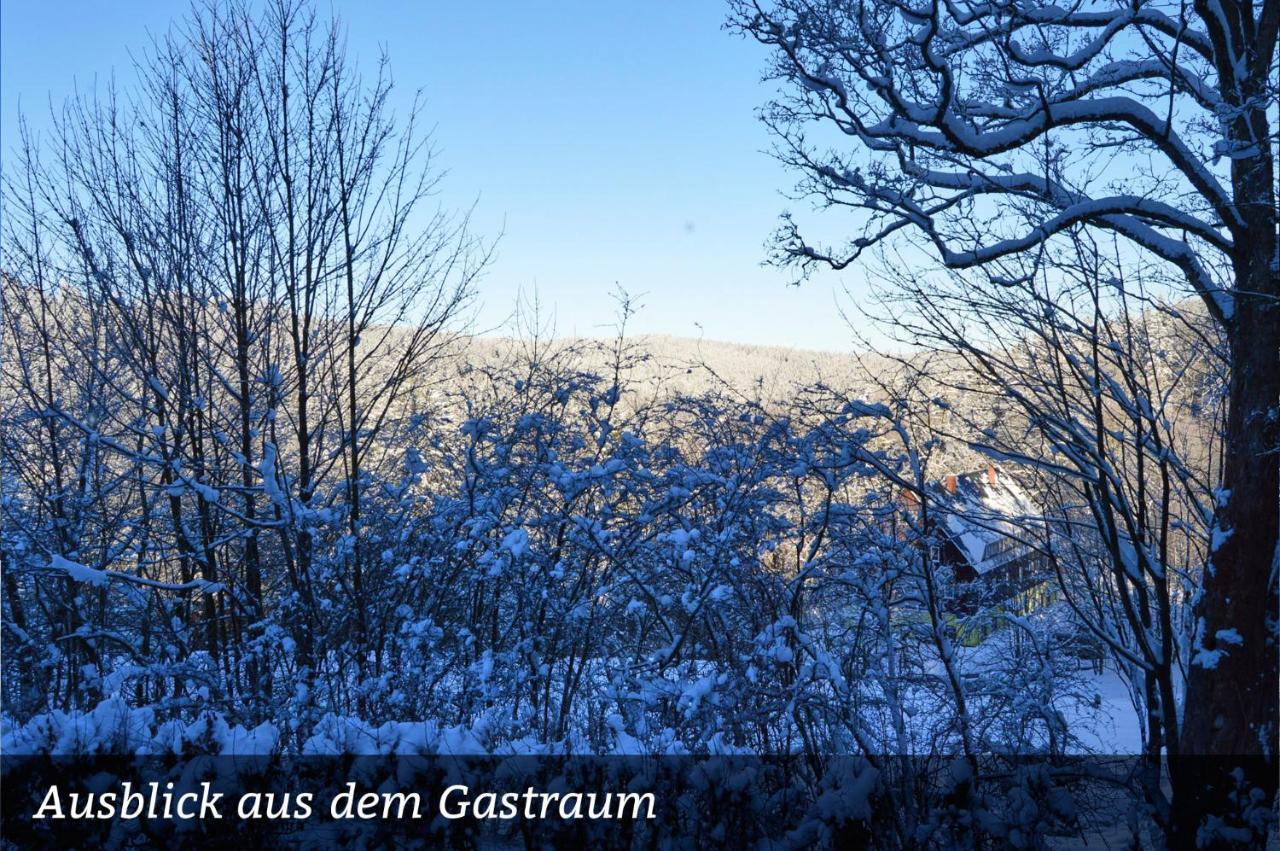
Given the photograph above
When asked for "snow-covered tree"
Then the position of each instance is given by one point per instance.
(993, 130)
(238, 283)
(1108, 401)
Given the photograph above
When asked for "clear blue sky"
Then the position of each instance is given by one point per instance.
(611, 142)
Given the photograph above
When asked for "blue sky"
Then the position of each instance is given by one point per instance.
(611, 143)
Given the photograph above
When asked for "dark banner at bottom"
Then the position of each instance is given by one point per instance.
(603, 802)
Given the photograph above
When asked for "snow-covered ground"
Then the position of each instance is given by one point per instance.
(1113, 727)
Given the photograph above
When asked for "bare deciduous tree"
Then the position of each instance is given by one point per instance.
(248, 236)
(992, 130)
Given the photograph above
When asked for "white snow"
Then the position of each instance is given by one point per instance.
(78, 572)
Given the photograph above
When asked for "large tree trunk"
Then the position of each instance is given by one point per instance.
(1231, 709)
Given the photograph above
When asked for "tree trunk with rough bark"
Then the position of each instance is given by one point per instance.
(1233, 683)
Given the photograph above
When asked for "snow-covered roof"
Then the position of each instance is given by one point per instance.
(985, 513)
